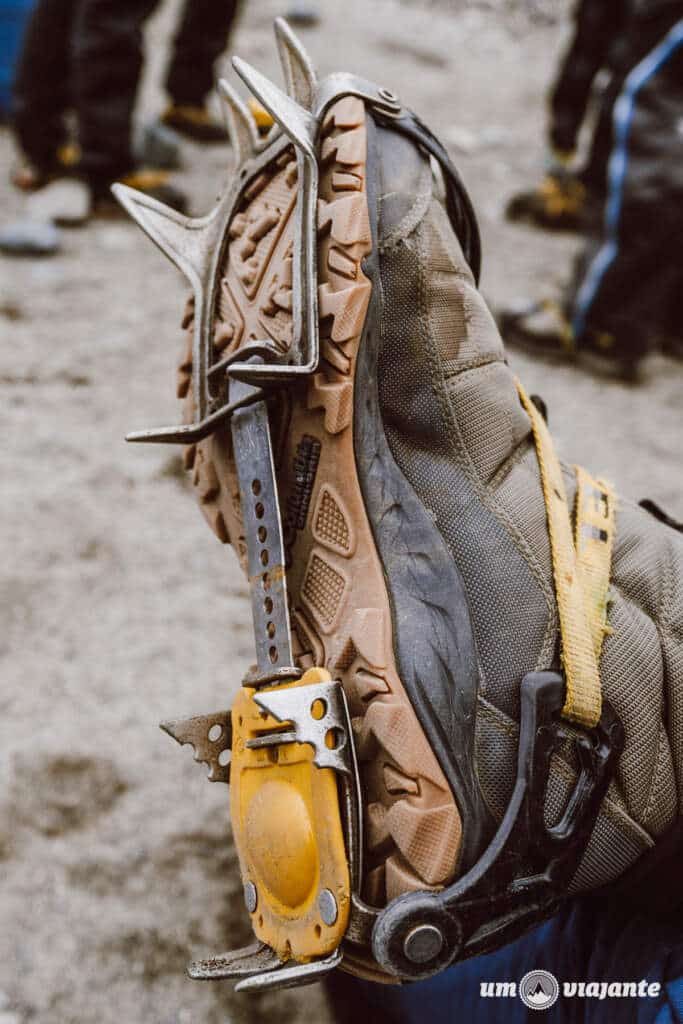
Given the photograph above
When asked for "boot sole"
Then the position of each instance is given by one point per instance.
(341, 611)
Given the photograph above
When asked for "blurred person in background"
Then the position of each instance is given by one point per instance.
(568, 199)
(87, 56)
(623, 301)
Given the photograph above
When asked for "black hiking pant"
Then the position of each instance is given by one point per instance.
(88, 55)
(596, 45)
(597, 32)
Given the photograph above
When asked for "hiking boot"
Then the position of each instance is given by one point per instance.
(418, 490)
(29, 176)
(543, 329)
(262, 118)
(65, 201)
(539, 328)
(560, 203)
(303, 15)
(194, 122)
(153, 183)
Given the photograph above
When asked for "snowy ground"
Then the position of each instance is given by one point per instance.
(120, 609)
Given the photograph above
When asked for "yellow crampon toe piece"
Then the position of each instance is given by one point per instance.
(287, 827)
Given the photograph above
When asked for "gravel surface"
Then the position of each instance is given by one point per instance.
(120, 608)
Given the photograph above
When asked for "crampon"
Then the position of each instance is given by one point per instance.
(425, 757)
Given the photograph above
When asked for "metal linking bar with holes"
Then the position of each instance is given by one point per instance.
(298, 843)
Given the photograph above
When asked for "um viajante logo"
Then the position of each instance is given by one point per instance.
(539, 990)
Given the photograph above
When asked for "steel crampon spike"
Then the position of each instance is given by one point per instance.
(239, 963)
(198, 732)
(183, 240)
(258, 968)
(240, 124)
(291, 975)
(296, 122)
(300, 77)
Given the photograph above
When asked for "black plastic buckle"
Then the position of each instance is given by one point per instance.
(525, 872)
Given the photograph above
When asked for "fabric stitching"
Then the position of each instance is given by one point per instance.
(655, 772)
(414, 215)
(469, 364)
(517, 455)
(665, 630)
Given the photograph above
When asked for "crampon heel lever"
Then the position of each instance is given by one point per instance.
(526, 870)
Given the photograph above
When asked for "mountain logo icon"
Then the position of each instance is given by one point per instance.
(539, 990)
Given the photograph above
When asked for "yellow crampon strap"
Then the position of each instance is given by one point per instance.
(581, 570)
(593, 539)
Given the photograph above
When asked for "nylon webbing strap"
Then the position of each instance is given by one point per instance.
(593, 540)
(581, 572)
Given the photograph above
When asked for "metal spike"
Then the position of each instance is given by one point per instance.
(241, 126)
(298, 124)
(300, 76)
(291, 975)
(182, 239)
(239, 963)
(195, 731)
(191, 433)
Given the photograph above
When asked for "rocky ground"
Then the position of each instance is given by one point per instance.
(120, 608)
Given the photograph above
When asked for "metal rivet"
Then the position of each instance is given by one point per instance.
(250, 897)
(423, 943)
(327, 905)
(388, 95)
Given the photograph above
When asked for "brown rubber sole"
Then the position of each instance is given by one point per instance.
(340, 611)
